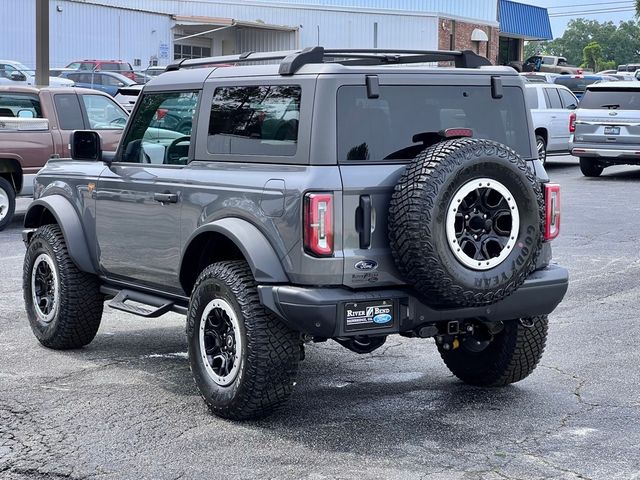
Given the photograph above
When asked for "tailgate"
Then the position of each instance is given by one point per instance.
(608, 126)
(367, 257)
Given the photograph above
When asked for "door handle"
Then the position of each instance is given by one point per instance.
(363, 221)
(166, 197)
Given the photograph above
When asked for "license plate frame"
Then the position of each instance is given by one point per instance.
(369, 315)
(611, 130)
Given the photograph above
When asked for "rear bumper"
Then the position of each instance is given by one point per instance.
(320, 312)
(606, 153)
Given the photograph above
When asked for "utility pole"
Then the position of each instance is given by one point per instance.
(42, 42)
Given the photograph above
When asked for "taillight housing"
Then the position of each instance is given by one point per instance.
(552, 211)
(572, 122)
(318, 224)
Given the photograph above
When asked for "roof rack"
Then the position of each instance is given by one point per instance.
(293, 60)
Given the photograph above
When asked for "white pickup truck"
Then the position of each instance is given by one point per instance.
(551, 105)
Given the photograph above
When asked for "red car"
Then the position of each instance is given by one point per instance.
(118, 66)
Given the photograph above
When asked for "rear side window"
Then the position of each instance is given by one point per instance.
(568, 100)
(532, 97)
(553, 99)
(611, 99)
(69, 113)
(404, 119)
(11, 104)
(255, 120)
(111, 67)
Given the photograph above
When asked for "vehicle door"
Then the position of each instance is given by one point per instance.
(110, 84)
(378, 135)
(69, 118)
(6, 71)
(139, 199)
(569, 104)
(558, 121)
(25, 135)
(106, 116)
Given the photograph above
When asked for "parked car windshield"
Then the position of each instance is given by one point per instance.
(611, 99)
(396, 125)
(576, 84)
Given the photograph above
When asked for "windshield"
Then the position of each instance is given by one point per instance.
(576, 84)
(611, 99)
(404, 119)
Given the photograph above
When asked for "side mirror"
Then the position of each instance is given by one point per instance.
(17, 76)
(25, 114)
(85, 145)
(573, 106)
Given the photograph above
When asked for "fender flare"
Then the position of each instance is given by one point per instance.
(256, 249)
(15, 161)
(69, 222)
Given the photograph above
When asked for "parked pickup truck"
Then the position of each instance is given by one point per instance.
(550, 64)
(35, 124)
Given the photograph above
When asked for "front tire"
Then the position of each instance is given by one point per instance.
(63, 304)
(509, 357)
(243, 359)
(7, 203)
(590, 168)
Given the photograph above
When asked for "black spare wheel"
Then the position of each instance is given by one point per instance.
(466, 222)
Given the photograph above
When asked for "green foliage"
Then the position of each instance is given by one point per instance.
(618, 43)
(592, 56)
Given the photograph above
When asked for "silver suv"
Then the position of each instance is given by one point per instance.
(606, 127)
(337, 194)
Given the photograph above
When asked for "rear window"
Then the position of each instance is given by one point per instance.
(611, 99)
(398, 124)
(112, 67)
(18, 104)
(576, 84)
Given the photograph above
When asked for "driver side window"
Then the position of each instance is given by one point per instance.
(160, 132)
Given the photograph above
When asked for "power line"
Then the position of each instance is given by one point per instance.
(592, 12)
(589, 5)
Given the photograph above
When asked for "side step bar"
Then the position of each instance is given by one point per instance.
(157, 305)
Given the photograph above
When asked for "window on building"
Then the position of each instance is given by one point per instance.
(190, 51)
(257, 120)
(509, 50)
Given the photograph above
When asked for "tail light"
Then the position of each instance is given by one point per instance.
(161, 113)
(572, 122)
(579, 71)
(552, 211)
(318, 224)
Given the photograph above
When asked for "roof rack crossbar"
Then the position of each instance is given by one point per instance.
(292, 61)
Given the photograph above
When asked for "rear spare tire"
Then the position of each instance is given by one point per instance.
(466, 222)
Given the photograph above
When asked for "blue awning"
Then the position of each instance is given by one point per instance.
(524, 21)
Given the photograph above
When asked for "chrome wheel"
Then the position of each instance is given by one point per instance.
(482, 224)
(221, 342)
(4, 204)
(542, 149)
(45, 290)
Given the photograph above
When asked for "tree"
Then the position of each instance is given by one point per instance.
(618, 43)
(592, 56)
(637, 8)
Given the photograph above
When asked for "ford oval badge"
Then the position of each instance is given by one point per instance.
(366, 265)
(382, 318)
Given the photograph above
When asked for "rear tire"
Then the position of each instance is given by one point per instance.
(7, 203)
(590, 168)
(541, 145)
(243, 358)
(510, 357)
(64, 305)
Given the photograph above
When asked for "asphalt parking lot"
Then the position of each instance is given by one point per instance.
(125, 407)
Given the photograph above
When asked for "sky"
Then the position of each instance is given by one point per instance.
(624, 11)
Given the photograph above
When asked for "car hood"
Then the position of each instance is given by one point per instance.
(60, 82)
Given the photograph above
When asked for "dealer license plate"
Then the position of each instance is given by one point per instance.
(612, 130)
(367, 315)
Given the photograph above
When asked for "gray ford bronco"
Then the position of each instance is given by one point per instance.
(321, 194)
